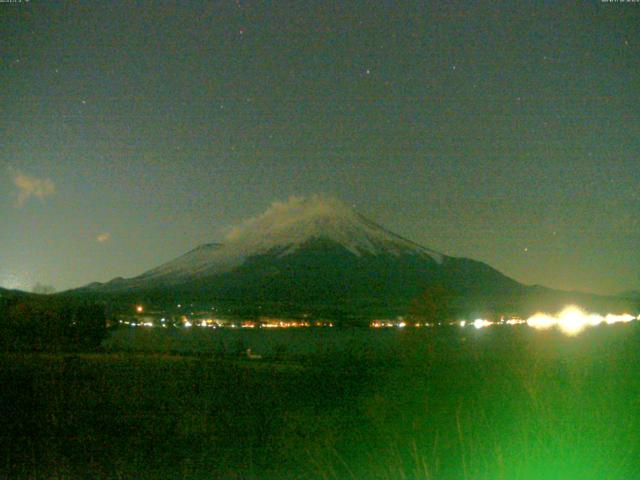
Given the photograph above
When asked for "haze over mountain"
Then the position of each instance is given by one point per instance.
(316, 254)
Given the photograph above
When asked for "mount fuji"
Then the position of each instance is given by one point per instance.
(286, 230)
(318, 255)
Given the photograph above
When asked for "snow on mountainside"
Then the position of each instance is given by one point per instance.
(284, 228)
(293, 223)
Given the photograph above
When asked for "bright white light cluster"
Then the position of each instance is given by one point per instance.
(481, 323)
(571, 321)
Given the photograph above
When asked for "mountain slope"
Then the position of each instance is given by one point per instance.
(9, 293)
(323, 270)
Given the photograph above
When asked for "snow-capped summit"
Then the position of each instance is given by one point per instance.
(290, 224)
(284, 228)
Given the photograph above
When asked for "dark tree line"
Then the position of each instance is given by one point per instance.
(46, 324)
(436, 304)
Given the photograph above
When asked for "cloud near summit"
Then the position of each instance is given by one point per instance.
(280, 215)
(29, 186)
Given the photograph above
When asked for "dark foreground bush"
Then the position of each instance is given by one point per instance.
(45, 324)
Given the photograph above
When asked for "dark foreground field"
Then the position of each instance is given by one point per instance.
(500, 403)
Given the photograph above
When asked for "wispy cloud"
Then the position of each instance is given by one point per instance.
(103, 237)
(29, 186)
(296, 212)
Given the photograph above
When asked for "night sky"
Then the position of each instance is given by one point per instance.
(130, 132)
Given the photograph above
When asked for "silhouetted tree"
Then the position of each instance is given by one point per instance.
(38, 324)
(90, 325)
(435, 304)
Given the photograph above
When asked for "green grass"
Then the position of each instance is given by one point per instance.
(492, 404)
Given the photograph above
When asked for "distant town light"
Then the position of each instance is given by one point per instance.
(481, 323)
(572, 320)
(541, 321)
